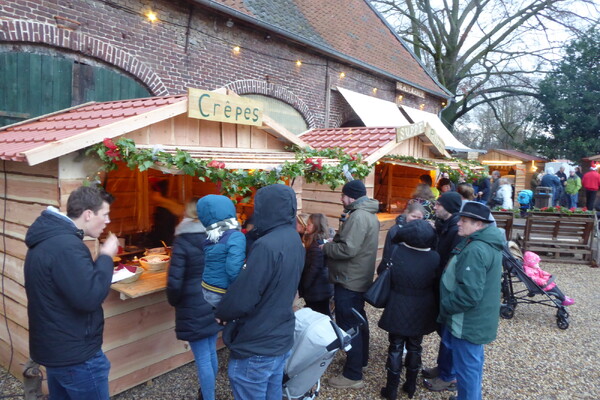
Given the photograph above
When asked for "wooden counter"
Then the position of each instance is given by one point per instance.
(149, 282)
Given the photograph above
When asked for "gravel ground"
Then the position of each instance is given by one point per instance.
(531, 359)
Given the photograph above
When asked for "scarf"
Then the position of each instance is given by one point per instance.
(216, 230)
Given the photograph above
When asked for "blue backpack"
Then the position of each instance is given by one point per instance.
(525, 197)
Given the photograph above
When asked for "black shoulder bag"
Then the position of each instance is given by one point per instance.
(379, 292)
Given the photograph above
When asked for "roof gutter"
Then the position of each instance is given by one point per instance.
(326, 50)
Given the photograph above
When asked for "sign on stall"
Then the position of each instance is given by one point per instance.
(420, 128)
(222, 108)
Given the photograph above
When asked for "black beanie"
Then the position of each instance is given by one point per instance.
(354, 189)
(451, 201)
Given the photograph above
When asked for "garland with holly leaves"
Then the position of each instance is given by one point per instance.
(470, 171)
(236, 183)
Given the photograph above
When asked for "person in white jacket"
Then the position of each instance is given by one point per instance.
(505, 192)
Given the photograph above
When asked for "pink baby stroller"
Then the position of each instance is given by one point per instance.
(513, 293)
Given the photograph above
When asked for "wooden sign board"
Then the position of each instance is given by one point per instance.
(420, 128)
(213, 106)
(408, 131)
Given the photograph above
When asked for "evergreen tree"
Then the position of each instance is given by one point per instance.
(570, 98)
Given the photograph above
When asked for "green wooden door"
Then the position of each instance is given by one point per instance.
(34, 84)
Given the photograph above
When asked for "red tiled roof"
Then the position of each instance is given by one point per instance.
(520, 155)
(353, 140)
(16, 139)
(347, 27)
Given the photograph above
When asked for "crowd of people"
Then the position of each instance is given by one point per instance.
(443, 253)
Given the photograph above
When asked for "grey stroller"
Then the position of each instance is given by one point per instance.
(316, 340)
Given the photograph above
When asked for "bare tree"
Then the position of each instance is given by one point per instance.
(487, 50)
(503, 124)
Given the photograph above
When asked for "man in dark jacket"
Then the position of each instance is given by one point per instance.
(470, 296)
(65, 290)
(258, 305)
(446, 210)
(351, 260)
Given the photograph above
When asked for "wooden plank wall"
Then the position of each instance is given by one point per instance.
(24, 193)
(395, 184)
(184, 131)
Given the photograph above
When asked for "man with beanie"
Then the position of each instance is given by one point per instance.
(446, 208)
(351, 261)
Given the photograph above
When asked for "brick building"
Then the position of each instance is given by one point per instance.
(68, 52)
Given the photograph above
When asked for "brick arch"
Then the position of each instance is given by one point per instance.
(37, 32)
(279, 92)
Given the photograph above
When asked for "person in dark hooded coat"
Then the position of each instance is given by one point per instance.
(412, 307)
(194, 317)
(258, 305)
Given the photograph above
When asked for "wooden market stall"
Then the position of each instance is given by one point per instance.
(517, 166)
(44, 161)
(391, 181)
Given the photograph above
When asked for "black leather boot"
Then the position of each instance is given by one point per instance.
(410, 385)
(390, 391)
(413, 364)
(394, 367)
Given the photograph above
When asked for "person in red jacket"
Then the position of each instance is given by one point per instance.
(591, 184)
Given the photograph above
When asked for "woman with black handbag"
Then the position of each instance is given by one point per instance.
(411, 309)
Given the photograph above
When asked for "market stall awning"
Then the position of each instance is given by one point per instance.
(452, 143)
(372, 111)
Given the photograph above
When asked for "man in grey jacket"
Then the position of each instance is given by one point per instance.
(351, 261)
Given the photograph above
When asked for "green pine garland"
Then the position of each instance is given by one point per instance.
(470, 170)
(237, 183)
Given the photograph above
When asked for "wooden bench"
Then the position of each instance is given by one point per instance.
(505, 221)
(559, 237)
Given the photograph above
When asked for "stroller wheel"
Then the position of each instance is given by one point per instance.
(562, 313)
(562, 323)
(507, 312)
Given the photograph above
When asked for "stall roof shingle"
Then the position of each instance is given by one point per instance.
(18, 138)
(361, 140)
(349, 29)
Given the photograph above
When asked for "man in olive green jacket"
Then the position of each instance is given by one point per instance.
(470, 296)
(351, 262)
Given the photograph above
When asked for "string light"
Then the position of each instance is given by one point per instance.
(422, 106)
(298, 63)
(374, 90)
(151, 15)
(443, 104)
(400, 98)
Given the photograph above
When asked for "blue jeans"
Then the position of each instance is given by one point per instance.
(85, 381)
(358, 356)
(574, 199)
(468, 360)
(444, 359)
(205, 353)
(257, 377)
